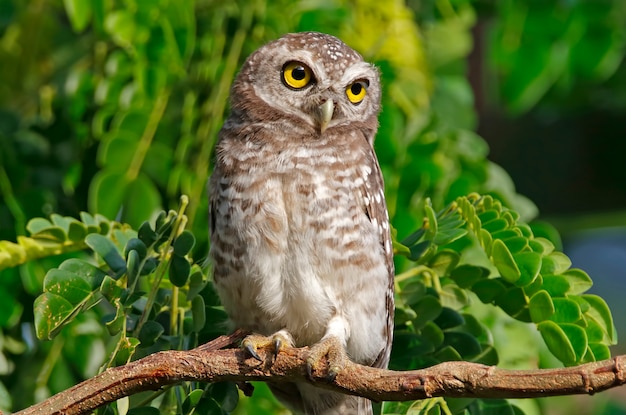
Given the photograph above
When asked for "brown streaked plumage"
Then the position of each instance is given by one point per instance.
(300, 238)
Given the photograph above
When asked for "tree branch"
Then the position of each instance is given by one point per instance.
(450, 379)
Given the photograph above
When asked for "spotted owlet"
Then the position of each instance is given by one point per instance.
(300, 240)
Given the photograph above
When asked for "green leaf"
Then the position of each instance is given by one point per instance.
(430, 224)
(66, 284)
(88, 272)
(555, 263)
(77, 231)
(115, 322)
(144, 410)
(132, 268)
(488, 290)
(465, 344)
(504, 262)
(577, 338)
(407, 347)
(120, 25)
(578, 281)
(147, 235)
(179, 270)
(50, 311)
(513, 301)
(566, 311)
(449, 319)
(487, 356)
(600, 351)
(106, 192)
(413, 238)
(79, 13)
(556, 285)
(448, 354)
(529, 264)
(535, 286)
(445, 237)
(128, 346)
(196, 284)
(135, 244)
(403, 314)
(488, 215)
(595, 333)
(508, 235)
(454, 297)
(427, 309)
(141, 200)
(467, 275)
(107, 250)
(184, 243)
(541, 306)
(412, 292)
(516, 244)
(226, 394)
(495, 225)
(602, 315)
(123, 405)
(149, 266)
(111, 289)
(41, 228)
(433, 334)
(190, 402)
(494, 407)
(557, 342)
(198, 313)
(118, 149)
(149, 333)
(417, 251)
(37, 225)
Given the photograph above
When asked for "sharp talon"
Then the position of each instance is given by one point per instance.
(309, 371)
(328, 352)
(277, 345)
(250, 349)
(332, 375)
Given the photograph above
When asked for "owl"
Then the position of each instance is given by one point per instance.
(299, 230)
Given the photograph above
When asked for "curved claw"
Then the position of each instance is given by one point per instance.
(330, 348)
(273, 344)
(250, 348)
(278, 344)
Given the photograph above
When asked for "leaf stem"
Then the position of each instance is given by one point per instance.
(148, 134)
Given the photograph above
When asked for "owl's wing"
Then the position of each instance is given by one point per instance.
(376, 210)
(211, 188)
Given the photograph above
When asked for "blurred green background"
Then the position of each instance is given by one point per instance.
(113, 107)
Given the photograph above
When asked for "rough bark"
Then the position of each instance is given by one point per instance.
(209, 364)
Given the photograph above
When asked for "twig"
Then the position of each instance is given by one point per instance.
(450, 379)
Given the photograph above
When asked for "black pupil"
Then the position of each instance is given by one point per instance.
(298, 73)
(356, 88)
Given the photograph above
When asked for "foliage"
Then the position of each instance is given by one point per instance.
(158, 300)
(543, 48)
(115, 111)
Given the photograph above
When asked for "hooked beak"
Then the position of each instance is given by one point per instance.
(326, 111)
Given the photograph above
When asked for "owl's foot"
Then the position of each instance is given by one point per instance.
(330, 348)
(272, 344)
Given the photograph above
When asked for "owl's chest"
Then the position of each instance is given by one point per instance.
(313, 193)
(295, 219)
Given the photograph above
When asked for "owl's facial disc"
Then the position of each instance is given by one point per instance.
(325, 112)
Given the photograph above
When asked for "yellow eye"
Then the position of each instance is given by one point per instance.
(357, 91)
(296, 75)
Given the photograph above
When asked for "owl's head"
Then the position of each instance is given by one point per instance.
(312, 79)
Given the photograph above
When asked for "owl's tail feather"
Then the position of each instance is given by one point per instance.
(308, 400)
(351, 405)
